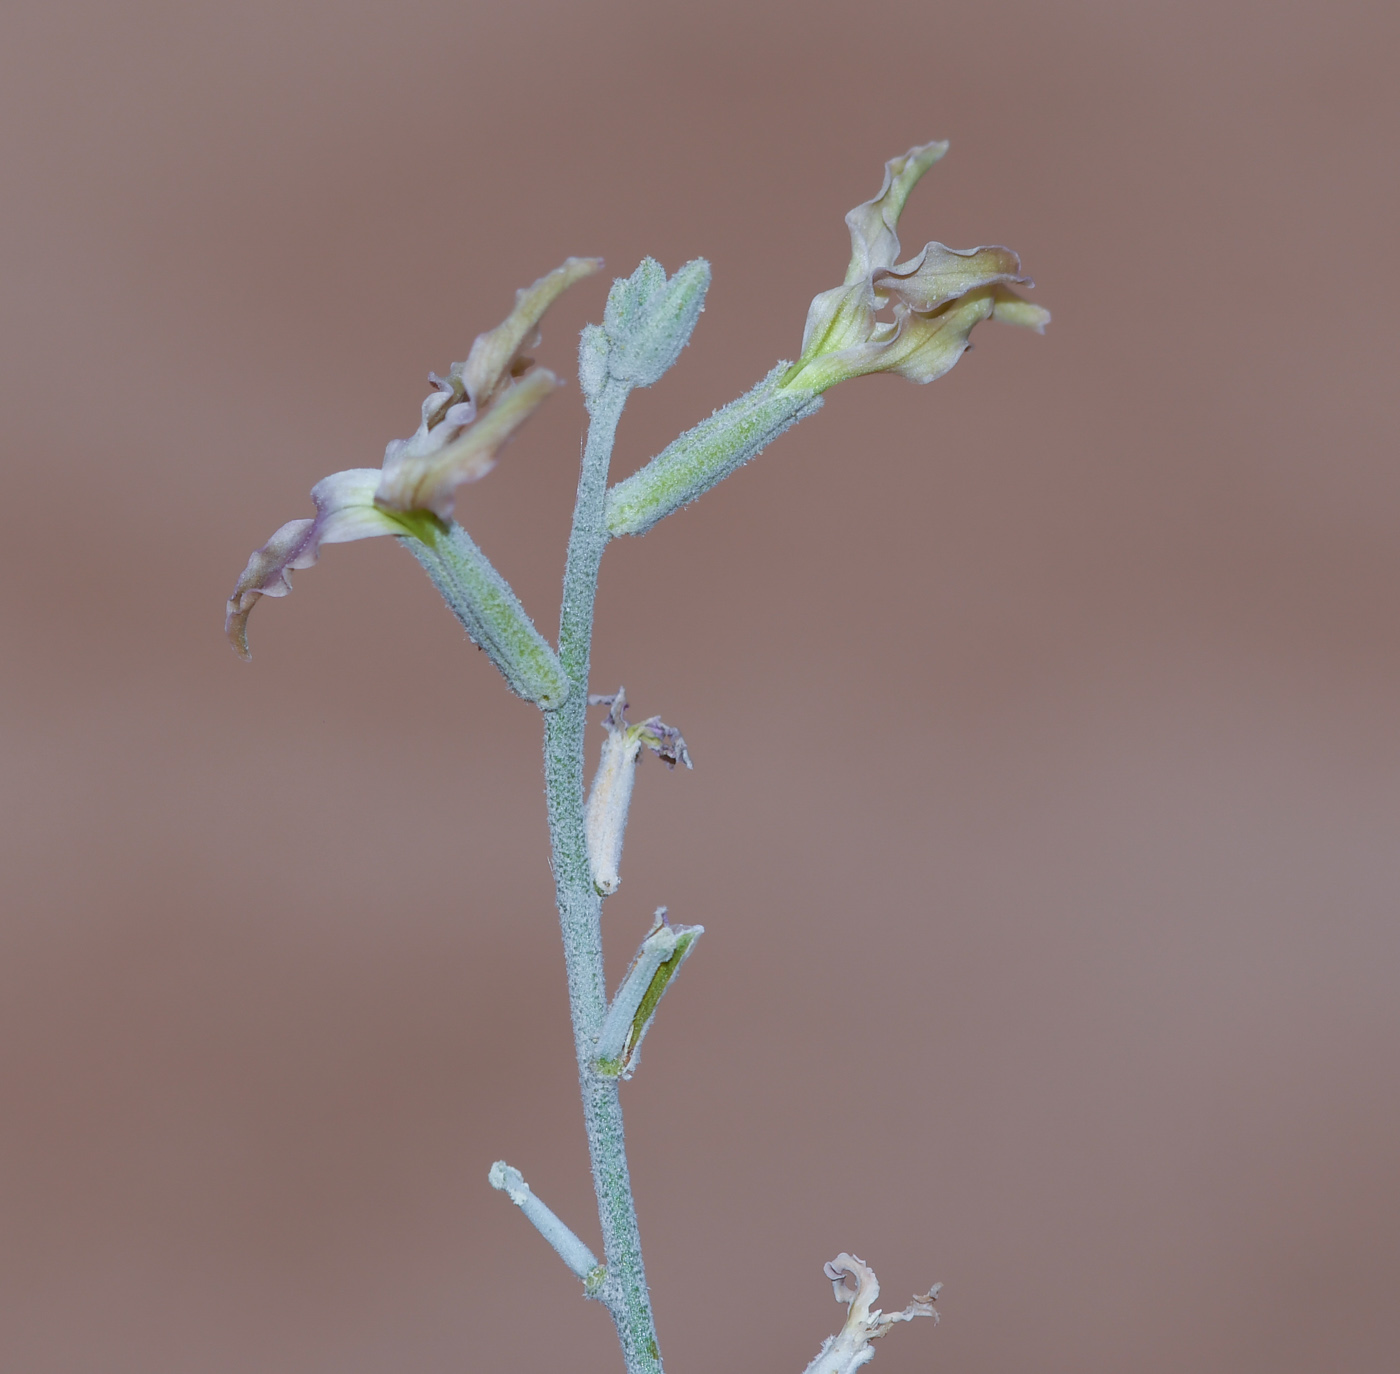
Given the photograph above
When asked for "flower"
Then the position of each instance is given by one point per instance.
(937, 297)
(467, 420)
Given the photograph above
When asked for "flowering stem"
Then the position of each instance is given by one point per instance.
(624, 1290)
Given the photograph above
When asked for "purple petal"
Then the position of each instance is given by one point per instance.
(345, 511)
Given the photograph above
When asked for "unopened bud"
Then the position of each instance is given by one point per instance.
(649, 319)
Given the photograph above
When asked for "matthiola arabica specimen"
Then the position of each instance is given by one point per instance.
(911, 317)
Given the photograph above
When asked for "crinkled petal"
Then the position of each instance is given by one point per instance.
(665, 741)
(495, 353)
(415, 480)
(938, 296)
(874, 242)
(924, 347)
(345, 511)
(854, 1283)
(928, 346)
(939, 275)
(920, 347)
(447, 400)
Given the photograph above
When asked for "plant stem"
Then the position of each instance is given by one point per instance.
(580, 907)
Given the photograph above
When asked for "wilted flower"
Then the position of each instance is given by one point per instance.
(854, 1283)
(936, 298)
(605, 816)
(466, 421)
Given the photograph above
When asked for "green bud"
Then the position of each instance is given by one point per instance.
(647, 322)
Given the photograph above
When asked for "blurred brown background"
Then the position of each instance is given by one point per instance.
(1045, 720)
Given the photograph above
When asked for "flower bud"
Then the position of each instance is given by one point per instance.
(649, 319)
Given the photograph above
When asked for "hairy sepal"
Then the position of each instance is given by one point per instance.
(490, 612)
(704, 456)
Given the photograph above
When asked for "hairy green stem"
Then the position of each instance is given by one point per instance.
(624, 1290)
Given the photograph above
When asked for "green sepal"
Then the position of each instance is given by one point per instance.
(691, 464)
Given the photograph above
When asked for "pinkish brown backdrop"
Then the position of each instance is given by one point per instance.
(1044, 818)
